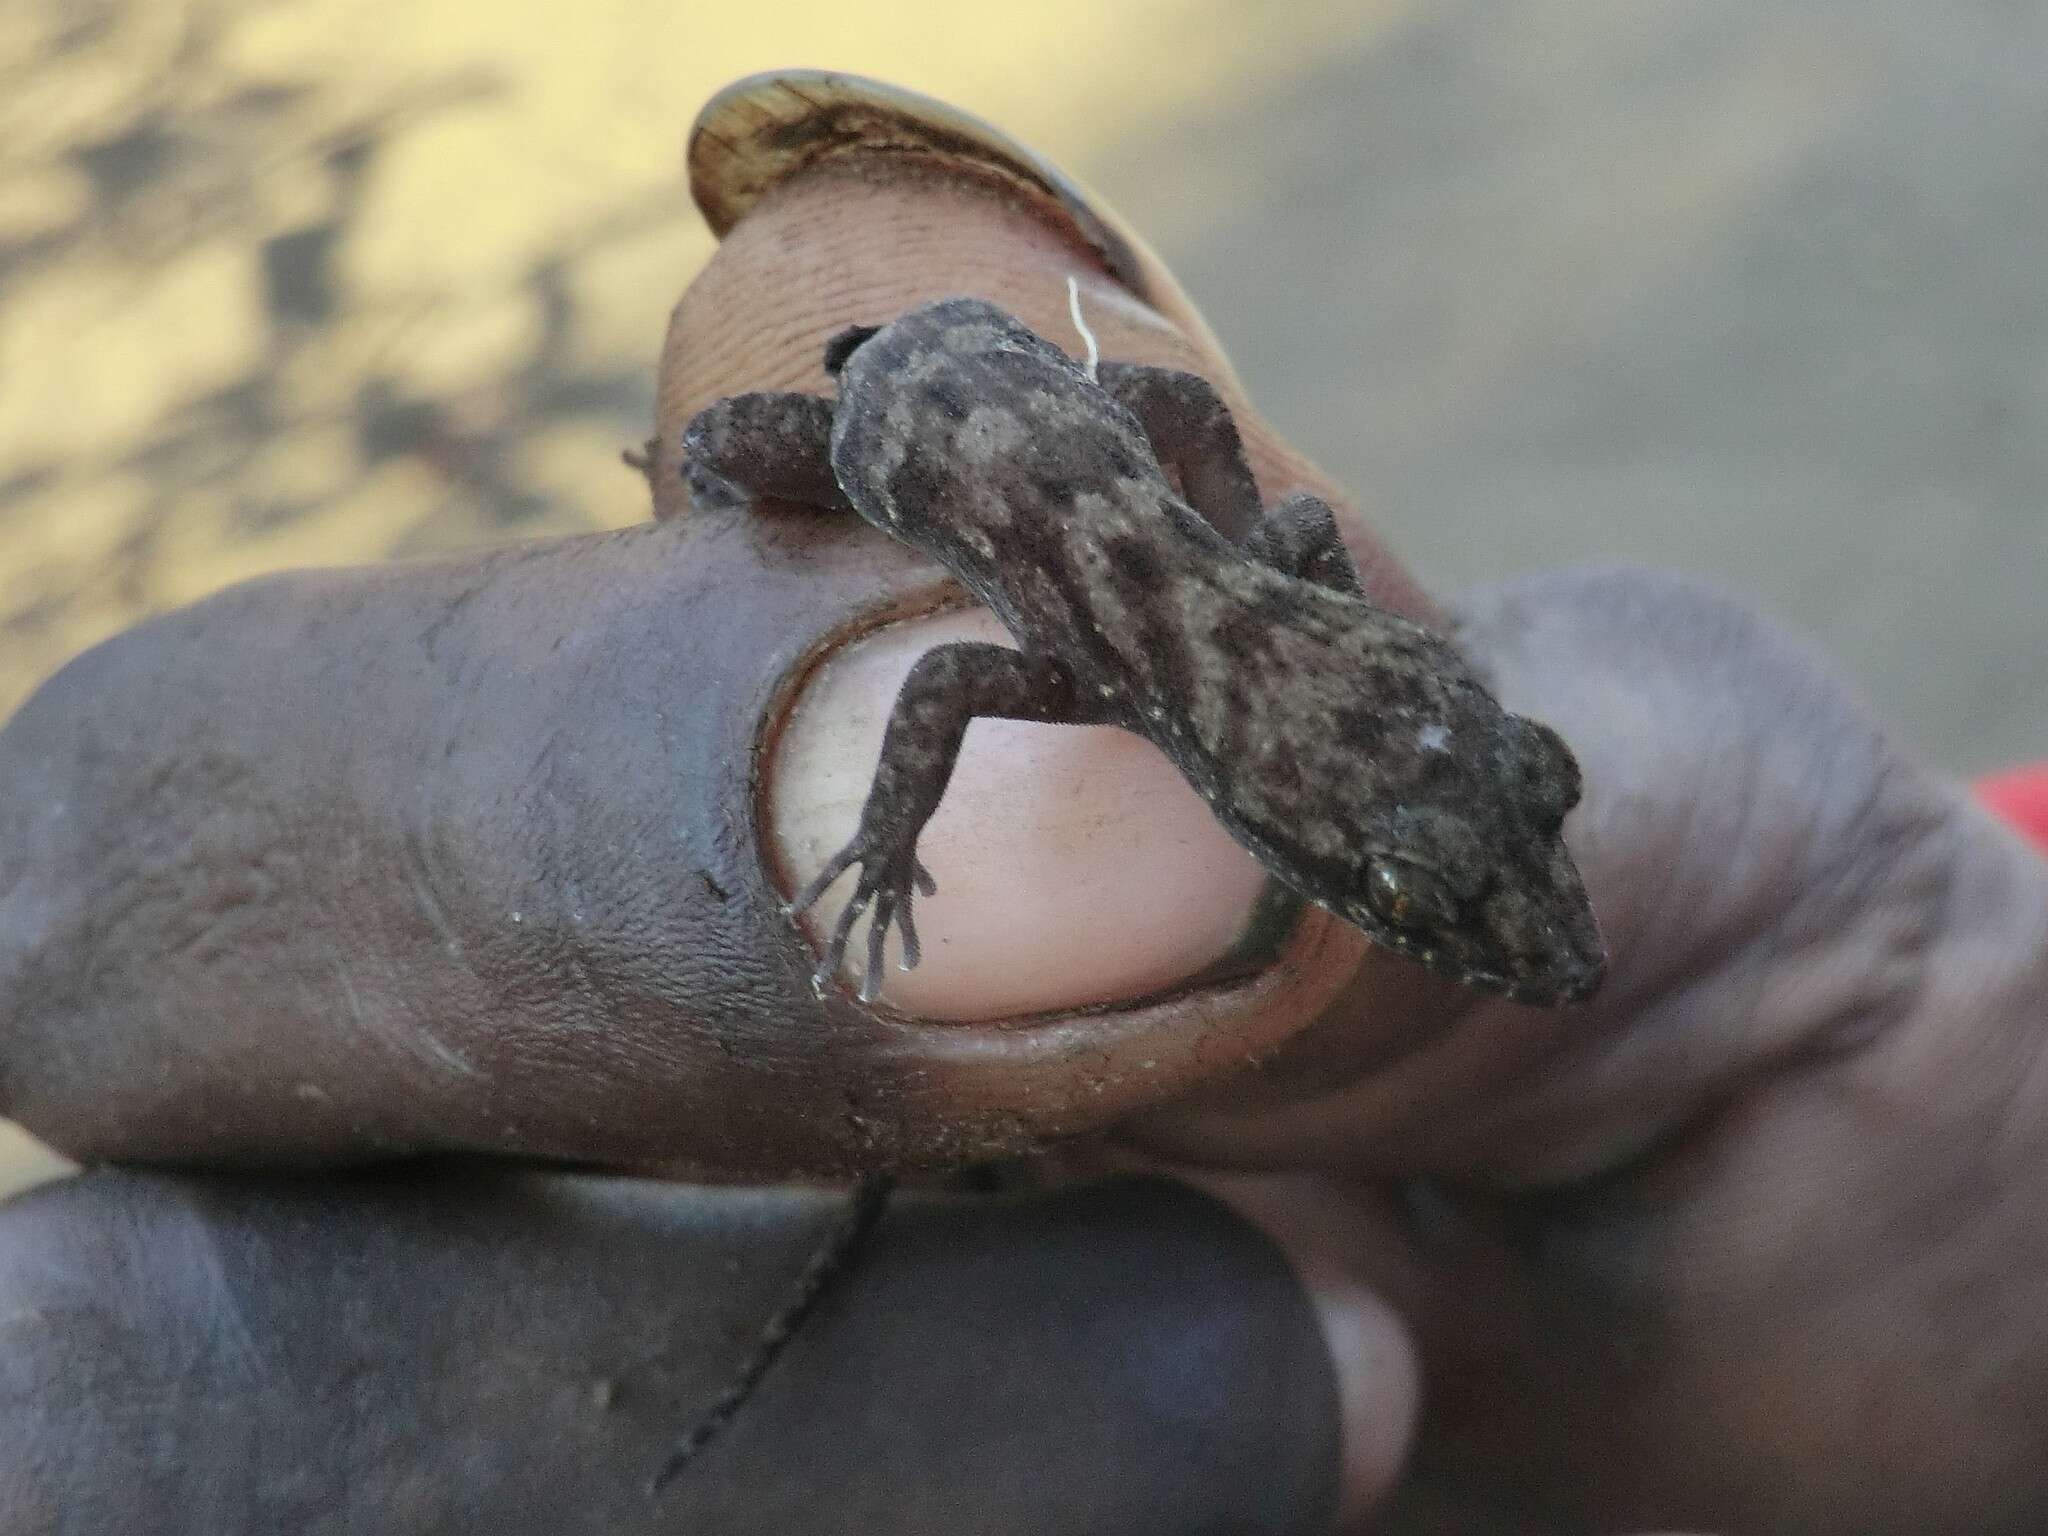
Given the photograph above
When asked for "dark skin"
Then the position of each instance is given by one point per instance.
(1751, 1243)
(429, 1351)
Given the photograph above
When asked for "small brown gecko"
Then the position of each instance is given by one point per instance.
(1354, 753)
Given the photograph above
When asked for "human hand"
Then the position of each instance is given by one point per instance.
(1826, 963)
(1608, 1241)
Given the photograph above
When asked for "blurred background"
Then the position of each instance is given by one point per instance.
(1755, 288)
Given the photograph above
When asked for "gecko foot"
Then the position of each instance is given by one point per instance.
(889, 882)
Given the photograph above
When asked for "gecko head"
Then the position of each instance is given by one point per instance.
(1468, 873)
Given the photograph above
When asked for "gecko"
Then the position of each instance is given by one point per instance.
(1354, 753)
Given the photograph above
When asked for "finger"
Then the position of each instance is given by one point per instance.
(519, 1354)
(855, 199)
(813, 231)
(465, 856)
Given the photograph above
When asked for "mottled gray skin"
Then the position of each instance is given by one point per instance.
(1353, 752)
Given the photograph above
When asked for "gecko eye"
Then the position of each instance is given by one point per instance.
(1408, 896)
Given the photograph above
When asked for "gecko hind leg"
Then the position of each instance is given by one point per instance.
(762, 446)
(948, 688)
(1299, 536)
(1193, 433)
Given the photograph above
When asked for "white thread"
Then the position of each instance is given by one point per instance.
(1074, 309)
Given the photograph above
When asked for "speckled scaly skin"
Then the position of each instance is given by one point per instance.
(1356, 754)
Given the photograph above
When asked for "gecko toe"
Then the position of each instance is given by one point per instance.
(907, 925)
(836, 866)
(888, 884)
(878, 934)
(835, 951)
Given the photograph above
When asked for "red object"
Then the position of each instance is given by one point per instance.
(2020, 796)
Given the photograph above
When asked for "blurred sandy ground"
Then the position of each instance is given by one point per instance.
(1753, 287)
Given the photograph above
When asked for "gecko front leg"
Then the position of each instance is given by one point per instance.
(767, 445)
(1299, 536)
(946, 690)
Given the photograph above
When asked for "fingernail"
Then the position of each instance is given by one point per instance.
(1075, 866)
